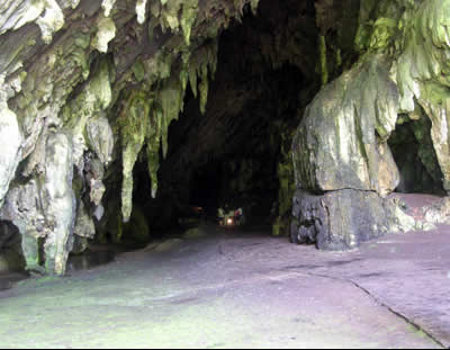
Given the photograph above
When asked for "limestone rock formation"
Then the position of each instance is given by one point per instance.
(342, 139)
(66, 67)
(11, 144)
(439, 213)
(342, 219)
(89, 89)
(341, 143)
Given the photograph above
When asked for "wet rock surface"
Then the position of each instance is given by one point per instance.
(227, 288)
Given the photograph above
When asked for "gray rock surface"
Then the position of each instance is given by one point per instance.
(341, 140)
(339, 220)
(59, 202)
(439, 212)
(95, 72)
(11, 139)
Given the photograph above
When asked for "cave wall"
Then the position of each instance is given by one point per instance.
(341, 149)
(85, 85)
(90, 88)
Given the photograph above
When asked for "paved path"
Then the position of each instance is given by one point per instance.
(243, 289)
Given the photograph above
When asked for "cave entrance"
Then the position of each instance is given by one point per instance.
(418, 166)
(11, 258)
(230, 154)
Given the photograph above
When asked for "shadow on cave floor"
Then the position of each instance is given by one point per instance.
(8, 280)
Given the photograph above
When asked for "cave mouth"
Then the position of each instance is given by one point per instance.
(135, 115)
(230, 155)
(418, 167)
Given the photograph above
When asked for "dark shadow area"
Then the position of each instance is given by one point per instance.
(229, 156)
(415, 157)
(12, 263)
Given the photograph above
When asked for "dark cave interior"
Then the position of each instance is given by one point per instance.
(230, 154)
(271, 64)
(267, 72)
(248, 172)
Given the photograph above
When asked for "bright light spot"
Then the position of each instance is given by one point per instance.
(229, 221)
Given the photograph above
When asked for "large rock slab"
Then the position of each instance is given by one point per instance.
(342, 219)
(341, 141)
(439, 212)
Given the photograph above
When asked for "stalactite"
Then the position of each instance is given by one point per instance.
(107, 6)
(254, 6)
(170, 98)
(153, 143)
(188, 17)
(140, 10)
(193, 81)
(323, 59)
(106, 31)
(132, 121)
(203, 88)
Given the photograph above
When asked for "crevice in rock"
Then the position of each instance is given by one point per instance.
(419, 168)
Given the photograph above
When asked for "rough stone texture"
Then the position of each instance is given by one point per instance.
(101, 138)
(341, 141)
(339, 220)
(104, 73)
(24, 208)
(43, 209)
(438, 213)
(59, 209)
(11, 142)
(422, 72)
(65, 68)
(84, 225)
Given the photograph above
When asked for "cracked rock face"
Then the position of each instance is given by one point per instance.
(90, 88)
(341, 144)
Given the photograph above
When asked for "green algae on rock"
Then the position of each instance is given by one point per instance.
(102, 81)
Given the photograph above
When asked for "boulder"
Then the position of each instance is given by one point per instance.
(342, 219)
(439, 212)
(341, 141)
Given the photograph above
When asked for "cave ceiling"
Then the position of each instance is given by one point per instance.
(94, 92)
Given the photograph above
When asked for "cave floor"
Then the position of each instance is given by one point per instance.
(242, 289)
